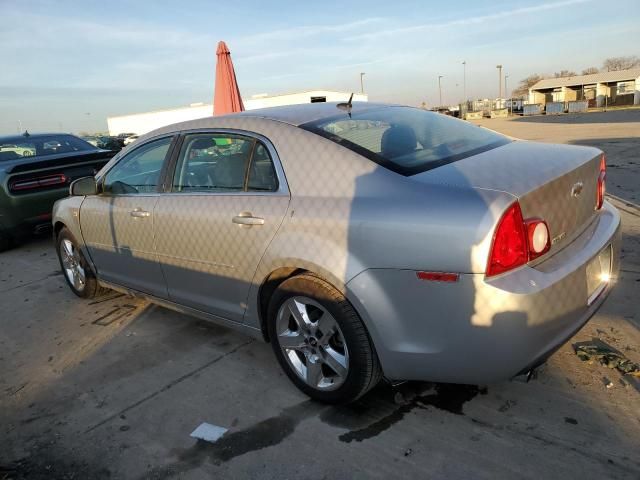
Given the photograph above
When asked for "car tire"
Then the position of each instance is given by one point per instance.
(337, 365)
(75, 269)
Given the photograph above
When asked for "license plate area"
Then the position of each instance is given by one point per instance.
(598, 274)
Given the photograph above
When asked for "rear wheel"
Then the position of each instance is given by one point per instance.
(74, 266)
(320, 341)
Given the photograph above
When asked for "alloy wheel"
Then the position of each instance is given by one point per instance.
(313, 343)
(71, 265)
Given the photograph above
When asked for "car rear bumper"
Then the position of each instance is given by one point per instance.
(481, 331)
(23, 213)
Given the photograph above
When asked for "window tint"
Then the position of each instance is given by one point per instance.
(138, 171)
(218, 163)
(407, 140)
(41, 145)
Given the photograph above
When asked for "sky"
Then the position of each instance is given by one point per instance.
(67, 65)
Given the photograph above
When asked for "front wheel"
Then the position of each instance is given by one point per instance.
(321, 342)
(74, 266)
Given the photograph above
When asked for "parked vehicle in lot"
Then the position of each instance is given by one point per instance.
(363, 241)
(130, 139)
(20, 150)
(105, 142)
(125, 135)
(35, 171)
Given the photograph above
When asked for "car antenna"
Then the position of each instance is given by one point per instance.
(26, 134)
(347, 106)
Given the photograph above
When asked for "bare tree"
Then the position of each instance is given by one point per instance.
(590, 71)
(565, 73)
(526, 84)
(613, 64)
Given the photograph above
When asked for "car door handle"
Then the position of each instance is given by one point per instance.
(139, 213)
(245, 218)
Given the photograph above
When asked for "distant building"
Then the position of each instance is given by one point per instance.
(141, 123)
(599, 89)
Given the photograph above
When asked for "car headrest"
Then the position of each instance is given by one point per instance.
(202, 143)
(398, 140)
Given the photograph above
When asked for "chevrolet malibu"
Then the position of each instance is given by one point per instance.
(364, 241)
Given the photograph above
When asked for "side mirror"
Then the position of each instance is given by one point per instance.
(83, 186)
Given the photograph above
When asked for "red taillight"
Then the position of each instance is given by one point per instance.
(601, 183)
(40, 182)
(517, 241)
(509, 246)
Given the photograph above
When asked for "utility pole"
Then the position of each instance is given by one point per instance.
(440, 90)
(506, 90)
(464, 80)
(361, 82)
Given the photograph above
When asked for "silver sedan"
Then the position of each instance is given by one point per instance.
(363, 241)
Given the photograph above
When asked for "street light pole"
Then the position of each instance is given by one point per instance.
(440, 89)
(361, 82)
(464, 80)
(506, 90)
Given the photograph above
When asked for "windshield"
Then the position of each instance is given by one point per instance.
(18, 147)
(407, 140)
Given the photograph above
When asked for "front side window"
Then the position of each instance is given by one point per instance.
(407, 140)
(211, 162)
(138, 171)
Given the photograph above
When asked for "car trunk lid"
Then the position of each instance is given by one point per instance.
(37, 174)
(556, 183)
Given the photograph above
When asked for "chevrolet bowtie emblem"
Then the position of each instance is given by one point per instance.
(577, 189)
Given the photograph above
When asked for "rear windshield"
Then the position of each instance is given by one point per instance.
(407, 140)
(14, 148)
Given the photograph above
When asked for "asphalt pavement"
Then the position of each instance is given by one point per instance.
(113, 387)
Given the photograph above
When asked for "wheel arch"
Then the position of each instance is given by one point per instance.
(267, 289)
(57, 227)
(274, 279)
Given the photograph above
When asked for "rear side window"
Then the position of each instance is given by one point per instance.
(219, 163)
(262, 175)
(407, 140)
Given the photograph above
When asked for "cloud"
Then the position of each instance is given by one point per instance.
(305, 31)
(465, 21)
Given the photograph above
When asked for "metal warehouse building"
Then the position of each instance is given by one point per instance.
(599, 89)
(141, 123)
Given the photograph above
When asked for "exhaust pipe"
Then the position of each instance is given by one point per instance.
(42, 228)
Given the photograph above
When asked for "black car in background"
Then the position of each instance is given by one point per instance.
(105, 142)
(35, 171)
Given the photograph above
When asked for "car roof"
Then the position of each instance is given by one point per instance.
(22, 137)
(307, 112)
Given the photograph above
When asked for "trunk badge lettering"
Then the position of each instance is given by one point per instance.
(577, 189)
(555, 240)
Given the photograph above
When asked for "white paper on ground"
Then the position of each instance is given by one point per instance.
(208, 432)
